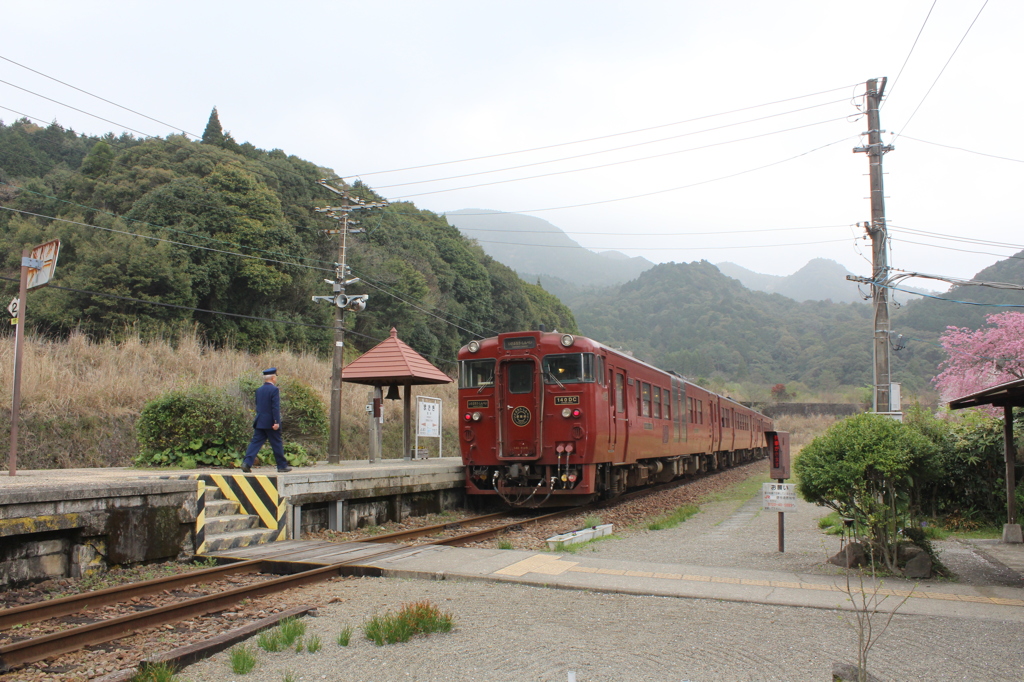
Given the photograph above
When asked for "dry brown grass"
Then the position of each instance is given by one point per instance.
(80, 398)
(804, 429)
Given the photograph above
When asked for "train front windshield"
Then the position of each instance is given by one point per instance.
(570, 368)
(476, 374)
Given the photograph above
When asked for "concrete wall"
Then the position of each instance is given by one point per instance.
(775, 410)
(76, 530)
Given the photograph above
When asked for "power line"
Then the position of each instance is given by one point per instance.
(217, 312)
(941, 71)
(962, 149)
(666, 248)
(601, 137)
(619, 163)
(616, 149)
(651, 234)
(103, 99)
(675, 189)
(967, 240)
(893, 87)
(951, 248)
(950, 300)
(81, 111)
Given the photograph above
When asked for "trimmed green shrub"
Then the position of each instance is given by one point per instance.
(202, 426)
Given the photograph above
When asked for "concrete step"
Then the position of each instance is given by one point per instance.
(218, 525)
(221, 508)
(212, 492)
(239, 538)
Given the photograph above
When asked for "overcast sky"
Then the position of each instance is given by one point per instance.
(365, 87)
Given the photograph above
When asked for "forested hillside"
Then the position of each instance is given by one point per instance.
(691, 318)
(163, 234)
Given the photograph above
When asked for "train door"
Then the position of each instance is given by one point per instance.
(618, 431)
(521, 411)
(715, 414)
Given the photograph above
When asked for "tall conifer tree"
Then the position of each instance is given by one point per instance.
(213, 134)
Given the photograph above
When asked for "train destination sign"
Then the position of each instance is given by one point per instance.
(478, 404)
(520, 342)
(567, 400)
(779, 497)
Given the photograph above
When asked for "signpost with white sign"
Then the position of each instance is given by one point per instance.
(779, 496)
(428, 420)
(37, 268)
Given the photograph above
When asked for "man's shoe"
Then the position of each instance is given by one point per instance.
(285, 470)
(245, 469)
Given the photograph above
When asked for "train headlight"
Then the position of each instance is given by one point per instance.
(477, 416)
(568, 340)
(473, 346)
(566, 412)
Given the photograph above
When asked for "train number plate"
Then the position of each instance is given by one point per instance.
(567, 400)
(477, 404)
(520, 342)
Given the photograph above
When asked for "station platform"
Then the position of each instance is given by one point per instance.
(71, 522)
(644, 578)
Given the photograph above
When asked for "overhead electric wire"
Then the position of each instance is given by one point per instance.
(613, 149)
(669, 248)
(962, 149)
(600, 137)
(674, 189)
(941, 71)
(222, 313)
(967, 240)
(81, 111)
(102, 99)
(952, 248)
(660, 234)
(619, 163)
(905, 61)
(949, 300)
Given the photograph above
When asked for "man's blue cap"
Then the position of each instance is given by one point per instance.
(270, 370)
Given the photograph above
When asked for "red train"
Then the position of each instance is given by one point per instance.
(553, 419)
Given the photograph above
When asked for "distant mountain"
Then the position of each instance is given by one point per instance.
(820, 280)
(533, 247)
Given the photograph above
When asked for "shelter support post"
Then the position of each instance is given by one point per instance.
(1011, 531)
(407, 425)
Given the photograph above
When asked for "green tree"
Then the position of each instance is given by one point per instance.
(865, 468)
(213, 134)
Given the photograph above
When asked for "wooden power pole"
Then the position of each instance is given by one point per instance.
(342, 304)
(879, 234)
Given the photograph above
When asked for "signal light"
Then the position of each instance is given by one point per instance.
(467, 416)
(577, 413)
(572, 478)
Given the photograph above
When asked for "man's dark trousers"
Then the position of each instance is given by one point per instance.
(268, 413)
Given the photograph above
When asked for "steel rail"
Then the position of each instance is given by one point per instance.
(29, 650)
(427, 530)
(54, 608)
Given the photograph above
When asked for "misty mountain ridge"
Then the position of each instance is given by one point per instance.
(533, 247)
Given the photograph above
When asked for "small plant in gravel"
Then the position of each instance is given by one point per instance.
(314, 644)
(505, 544)
(299, 645)
(673, 518)
(161, 672)
(243, 660)
(288, 677)
(270, 640)
(291, 629)
(345, 636)
(412, 619)
(592, 521)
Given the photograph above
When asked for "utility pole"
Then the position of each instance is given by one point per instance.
(879, 234)
(342, 303)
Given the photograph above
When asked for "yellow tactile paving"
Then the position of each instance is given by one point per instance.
(549, 564)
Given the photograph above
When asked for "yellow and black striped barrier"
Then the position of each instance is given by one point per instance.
(256, 495)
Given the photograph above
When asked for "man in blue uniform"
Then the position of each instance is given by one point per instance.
(267, 425)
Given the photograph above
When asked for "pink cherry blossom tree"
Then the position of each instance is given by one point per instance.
(980, 358)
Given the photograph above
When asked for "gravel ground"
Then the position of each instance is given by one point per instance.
(514, 632)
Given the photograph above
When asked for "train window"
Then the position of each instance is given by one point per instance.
(656, 408)
(520, 377)
(599, 369)
(666, 410)
(620, 393)
(476, 373)
(645, 397)
(575, 368)
(690, 414)
(700, 411)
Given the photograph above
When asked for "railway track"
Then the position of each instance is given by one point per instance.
(29, 650)
(515, 522)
